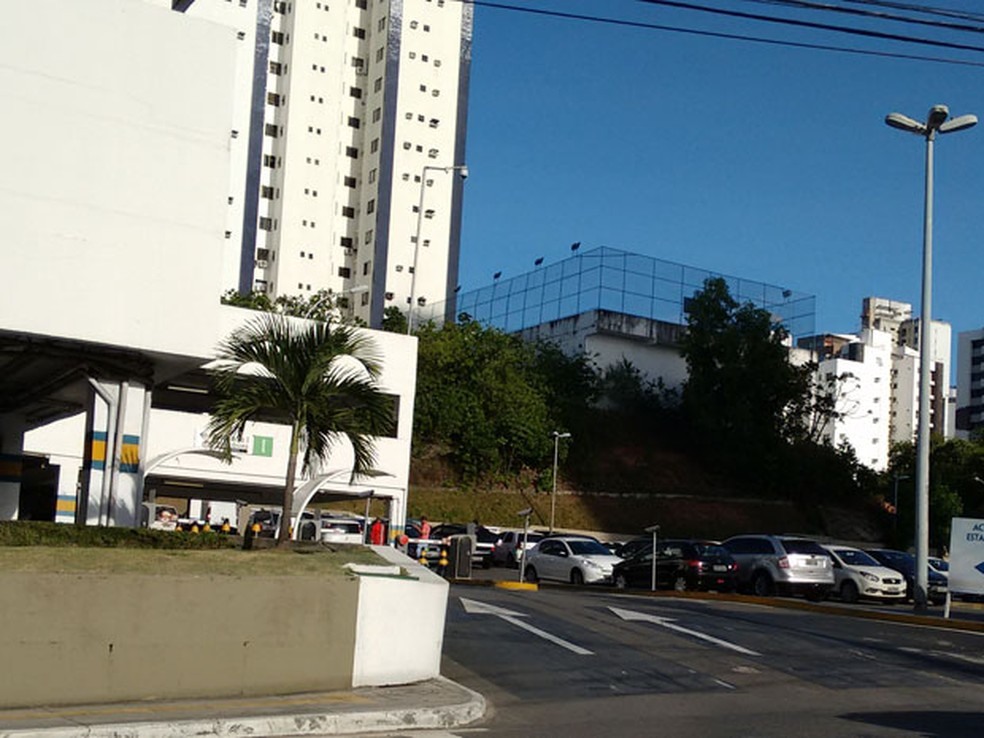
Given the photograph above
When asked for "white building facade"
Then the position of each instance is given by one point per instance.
(115, 205)
(348, 116)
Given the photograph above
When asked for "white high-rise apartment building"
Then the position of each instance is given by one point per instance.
(349, 114)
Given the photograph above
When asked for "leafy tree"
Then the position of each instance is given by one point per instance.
(318, 378)
(323, 305)
(394, 320)
(743, 393)
(479, 400)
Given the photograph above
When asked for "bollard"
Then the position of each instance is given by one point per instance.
(194, 528)
(207, 528)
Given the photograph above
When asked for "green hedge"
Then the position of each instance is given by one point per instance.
(34, 533)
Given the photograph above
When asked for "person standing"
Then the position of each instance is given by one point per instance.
(376, 532)
(425, 533)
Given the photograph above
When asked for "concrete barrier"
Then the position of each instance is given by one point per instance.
(98, 638)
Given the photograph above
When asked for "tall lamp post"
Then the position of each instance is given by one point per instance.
(553, 495)
(462, 171)
(937, 121)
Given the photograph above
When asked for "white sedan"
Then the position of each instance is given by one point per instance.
(857, 574)
(570, 559)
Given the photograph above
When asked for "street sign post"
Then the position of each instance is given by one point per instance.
(966, 558)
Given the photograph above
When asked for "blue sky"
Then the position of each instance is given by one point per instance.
(764, 162)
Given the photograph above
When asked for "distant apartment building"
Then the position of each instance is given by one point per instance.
(882, 314)
(875, 378)
(349, 116)
(970, 383)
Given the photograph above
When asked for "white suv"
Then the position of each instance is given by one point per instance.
(859, 574)
(782, 564)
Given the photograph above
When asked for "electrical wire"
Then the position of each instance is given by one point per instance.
(813, 25)
(875, 14)
(926, 9)
(721, 35)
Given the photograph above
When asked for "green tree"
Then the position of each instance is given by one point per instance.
(322, 305)
(744, 400)
(318, 378)
(479, 401)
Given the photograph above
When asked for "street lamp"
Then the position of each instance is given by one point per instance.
(936, 122)
(895, 501)
(462, 171)
(553, 495)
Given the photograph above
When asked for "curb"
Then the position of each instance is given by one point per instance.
(519, 586)
(469, 707)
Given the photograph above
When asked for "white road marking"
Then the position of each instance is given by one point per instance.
(669, 624)
(725, 684)
(474, 607)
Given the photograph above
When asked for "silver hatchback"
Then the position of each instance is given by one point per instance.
(782, 564)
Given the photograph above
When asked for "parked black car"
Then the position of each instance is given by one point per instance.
(905, 564)
(680, 565)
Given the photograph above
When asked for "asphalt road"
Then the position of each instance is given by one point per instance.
(573, 663)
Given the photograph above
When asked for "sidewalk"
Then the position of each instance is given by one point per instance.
(436, 703)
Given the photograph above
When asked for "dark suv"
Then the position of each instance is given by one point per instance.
(782, 564)
(680, 564)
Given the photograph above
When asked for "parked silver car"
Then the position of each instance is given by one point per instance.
(769, 565)
(509, 550)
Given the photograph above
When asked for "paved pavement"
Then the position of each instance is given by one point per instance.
(436, 703)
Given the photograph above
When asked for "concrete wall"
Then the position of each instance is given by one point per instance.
(95, 638)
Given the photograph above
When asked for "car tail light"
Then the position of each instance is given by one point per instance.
(784, 562)
(695, 564)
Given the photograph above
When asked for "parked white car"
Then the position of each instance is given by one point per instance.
(509, 547)
(857, 574)
(570, 559)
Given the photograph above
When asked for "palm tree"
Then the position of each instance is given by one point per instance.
(317, 377)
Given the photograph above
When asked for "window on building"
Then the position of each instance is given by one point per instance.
(359, 32)
(358, 62)
(365, 268)
(371, 207)
(413, 24)
(380, 53)
(270, 129)
(374, 146)
(266, 192)
(349, 181)
(382, 24)
(276, 68)
(377, 85)
(372, 176)
(266, 224)
(348, 212)
(269, 160)
(354, 122)
(273, 98)
(368, 238)
(344, 272)
(351, 152)
(355, 92)
(278, 37)
(377, 114)
(361, 4)
(346, 242)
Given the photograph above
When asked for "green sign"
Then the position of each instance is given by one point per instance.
(262, 445)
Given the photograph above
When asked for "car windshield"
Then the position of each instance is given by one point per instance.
(853, 557)
(588, 548)
(802, 546)
(709, 550)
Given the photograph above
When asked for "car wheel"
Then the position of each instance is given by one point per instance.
(531, 575)
(620, 582)
(680, 583)
(577, 577)
(849, 592)
(762, 585)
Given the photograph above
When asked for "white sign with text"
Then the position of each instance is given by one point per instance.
(967, 556)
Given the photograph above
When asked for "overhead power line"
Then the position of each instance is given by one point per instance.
(813, 25)
(720, 35)
(874, 14)
(926, 9)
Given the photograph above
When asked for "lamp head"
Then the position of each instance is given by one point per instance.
(959, 123)
(525, 512)
(462, 171)
(904, 123)
(937, 116)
